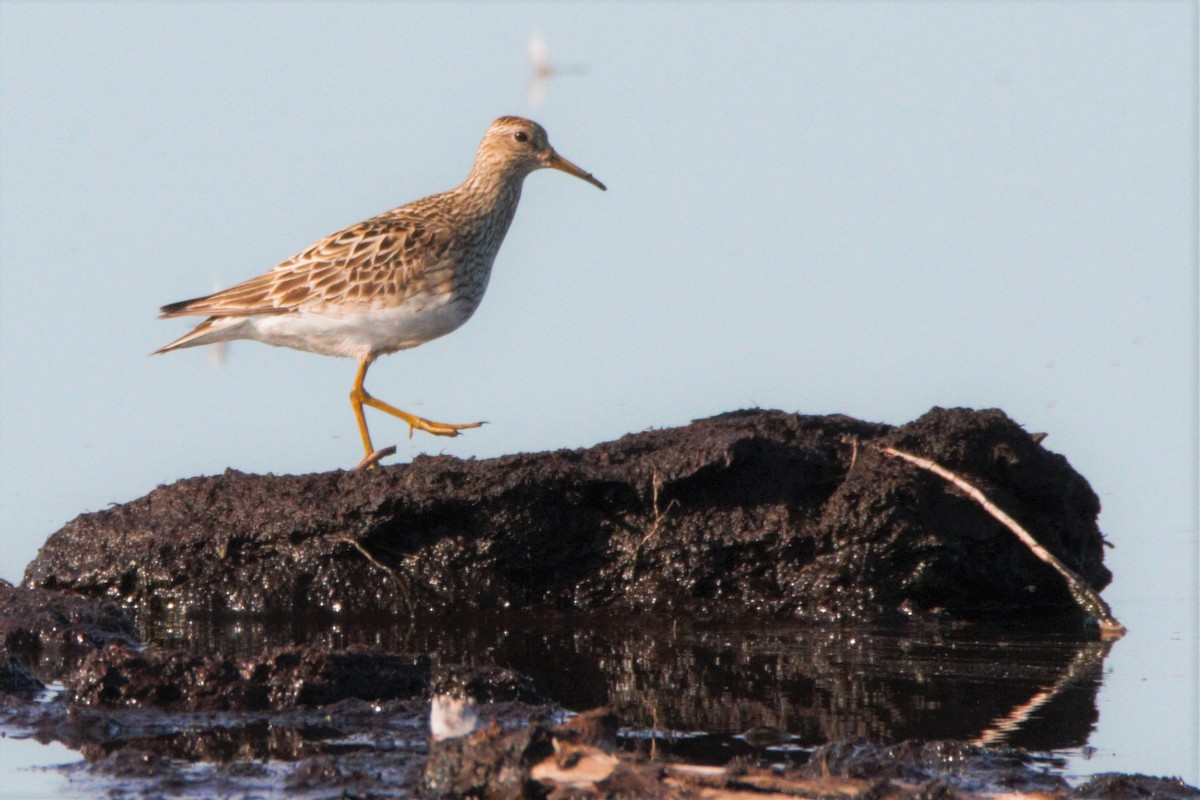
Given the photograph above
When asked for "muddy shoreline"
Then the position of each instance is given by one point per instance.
(734, 591)
(750, 512)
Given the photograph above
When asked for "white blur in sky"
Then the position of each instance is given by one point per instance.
(867, 208)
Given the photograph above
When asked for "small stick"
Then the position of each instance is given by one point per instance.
(660, 515)
(1084, 595)
(373, 459)
(405, 597)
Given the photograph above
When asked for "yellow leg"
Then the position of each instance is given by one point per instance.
(359, 398)
(357, 394)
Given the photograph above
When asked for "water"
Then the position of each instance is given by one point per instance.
(727, 677)
(708, 691)
(23, 772)
(1149, 719)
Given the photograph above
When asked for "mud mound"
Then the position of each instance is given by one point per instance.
(758, 512)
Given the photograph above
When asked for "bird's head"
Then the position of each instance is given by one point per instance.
(521, 145)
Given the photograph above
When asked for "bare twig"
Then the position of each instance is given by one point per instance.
(401, 585)
(660, 515)
(1084, 595)
(370, 461)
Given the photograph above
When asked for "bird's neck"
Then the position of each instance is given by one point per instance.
(490, 196)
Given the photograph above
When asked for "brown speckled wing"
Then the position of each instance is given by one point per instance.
(378, 263)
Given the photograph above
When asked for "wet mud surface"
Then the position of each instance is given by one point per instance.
(765, 605)
(752, 512)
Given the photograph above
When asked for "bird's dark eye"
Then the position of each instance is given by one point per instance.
(521, 136)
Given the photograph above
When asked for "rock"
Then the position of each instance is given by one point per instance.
(488, 763)
(527, 761)
(758, 512)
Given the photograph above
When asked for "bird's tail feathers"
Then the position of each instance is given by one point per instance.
(211, 331)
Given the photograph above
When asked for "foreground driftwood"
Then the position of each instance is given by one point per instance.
(749, 512)
(547, 761)
(1089, 601)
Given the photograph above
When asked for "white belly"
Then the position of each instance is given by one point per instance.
(355, 333)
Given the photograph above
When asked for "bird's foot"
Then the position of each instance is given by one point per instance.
(371, 460)
(439, 428)
(359, 398)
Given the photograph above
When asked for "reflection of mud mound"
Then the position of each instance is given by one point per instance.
(1034, 689)
(176, 681)
(278, 679)
(750, 512)
(824, 686)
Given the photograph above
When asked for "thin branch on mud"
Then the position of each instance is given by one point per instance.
(401, 585)
(1087, 598)
(660, 515)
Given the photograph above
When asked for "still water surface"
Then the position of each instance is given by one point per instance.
(1082, 706)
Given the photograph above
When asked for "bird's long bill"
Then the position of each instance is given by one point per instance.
(555, 161)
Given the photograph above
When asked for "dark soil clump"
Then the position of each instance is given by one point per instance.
(283, 635)
(751, 512)
(48, 631)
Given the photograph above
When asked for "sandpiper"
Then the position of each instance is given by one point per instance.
(393, 282)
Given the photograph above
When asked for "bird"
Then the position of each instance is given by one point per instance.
(543, 70)
(392, 282)
(452, 716)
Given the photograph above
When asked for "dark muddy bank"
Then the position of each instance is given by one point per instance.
(283, 635)
(753, 512)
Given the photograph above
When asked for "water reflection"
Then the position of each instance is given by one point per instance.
(1032, 689)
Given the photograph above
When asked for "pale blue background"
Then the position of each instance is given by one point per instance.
(822, 207)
